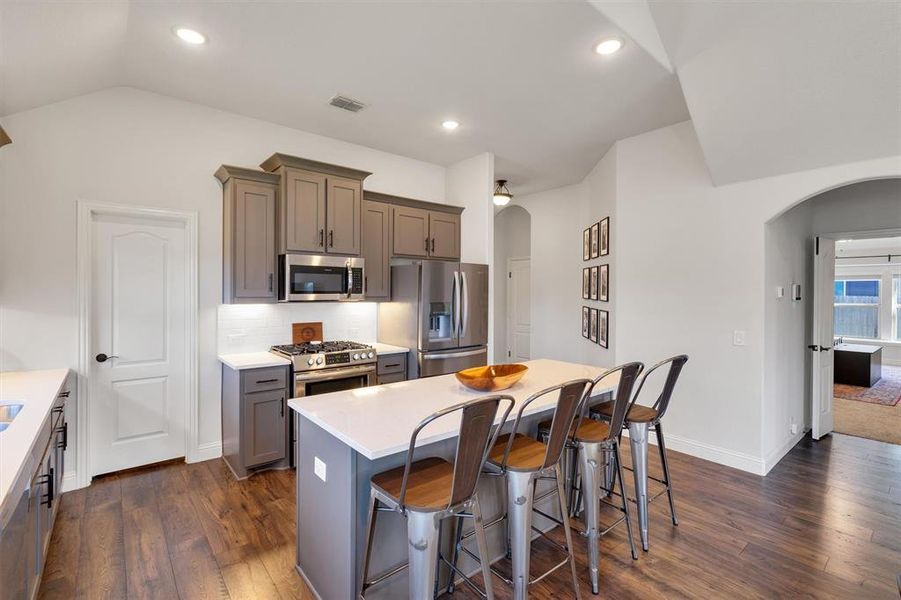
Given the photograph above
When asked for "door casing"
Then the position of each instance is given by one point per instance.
(86, 212)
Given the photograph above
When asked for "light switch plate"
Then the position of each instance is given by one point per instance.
(738, 338)
(319, 468)
(780, 291)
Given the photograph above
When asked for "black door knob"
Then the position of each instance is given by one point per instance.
(103, 357)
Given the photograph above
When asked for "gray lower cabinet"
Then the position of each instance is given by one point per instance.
(377, 249)
(254, 419)
(28, 516)
(248, 235)
(391, 368)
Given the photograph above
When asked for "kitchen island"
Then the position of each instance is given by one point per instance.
(346, 437)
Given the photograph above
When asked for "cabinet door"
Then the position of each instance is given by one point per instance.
(411, 231)
(376, 248)
(444, 229)
(344, 200)
(302, 214)
(263, 433)
(254, 240)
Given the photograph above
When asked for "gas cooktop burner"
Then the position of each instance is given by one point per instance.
(318, 348)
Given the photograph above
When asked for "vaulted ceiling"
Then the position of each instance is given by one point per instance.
(771, 87)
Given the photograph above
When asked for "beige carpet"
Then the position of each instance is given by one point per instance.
(868, 420)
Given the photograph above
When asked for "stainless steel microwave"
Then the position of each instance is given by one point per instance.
(312, 278)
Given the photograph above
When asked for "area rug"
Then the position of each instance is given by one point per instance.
(886, 392)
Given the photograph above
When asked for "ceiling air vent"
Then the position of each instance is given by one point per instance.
(347, 103)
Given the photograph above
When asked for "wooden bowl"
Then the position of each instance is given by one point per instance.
(491, 378)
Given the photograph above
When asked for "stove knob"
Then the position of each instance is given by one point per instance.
(319, 361)
(371, 355)
(356, 356)
(310, 361)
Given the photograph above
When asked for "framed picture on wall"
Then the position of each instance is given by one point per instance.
(586, 244)
(604, 275)
(593, 277)
(586, 291)
(594, 240)
(593, 324)
(585, 322)
(603, 327)
(605, 236)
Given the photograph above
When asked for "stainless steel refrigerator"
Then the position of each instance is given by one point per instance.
(438, 309)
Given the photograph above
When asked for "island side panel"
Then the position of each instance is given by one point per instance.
(325, 512)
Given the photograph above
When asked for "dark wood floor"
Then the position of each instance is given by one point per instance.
(826, 523)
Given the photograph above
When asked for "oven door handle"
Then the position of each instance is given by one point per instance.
(327, 375)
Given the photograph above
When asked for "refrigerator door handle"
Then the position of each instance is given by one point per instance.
(439, 356)
(464, 302)
(455, 305)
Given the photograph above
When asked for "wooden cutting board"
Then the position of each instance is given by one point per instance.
(306, 332)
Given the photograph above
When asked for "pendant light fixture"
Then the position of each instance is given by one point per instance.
(501, 194)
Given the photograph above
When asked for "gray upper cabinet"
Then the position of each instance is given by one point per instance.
(344, 202)
(248, 237)
(376, 249)
(301, 215)
(411, 232)
(319, 206)
(444, 229)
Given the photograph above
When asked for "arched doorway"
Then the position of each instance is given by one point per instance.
(512, 284)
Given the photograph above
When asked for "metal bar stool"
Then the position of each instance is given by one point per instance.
(639, 419)
(432, 489)
(594, 440)
(523, 462)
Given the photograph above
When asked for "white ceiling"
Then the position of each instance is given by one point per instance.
(779, 87)
(772, 87)
(521, 77)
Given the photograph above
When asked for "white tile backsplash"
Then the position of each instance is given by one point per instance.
(256, 327)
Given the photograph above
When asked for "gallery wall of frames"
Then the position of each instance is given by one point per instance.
(596, 282)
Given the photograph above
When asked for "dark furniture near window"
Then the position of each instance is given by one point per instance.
(858, 364)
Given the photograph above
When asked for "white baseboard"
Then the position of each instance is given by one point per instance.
(70, 482)
(722, 456)
(207, 451)
(776, 455)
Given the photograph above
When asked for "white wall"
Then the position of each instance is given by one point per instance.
(125, 146)
(690, 261)
(512, 239)
(470, 184)
(558, 218)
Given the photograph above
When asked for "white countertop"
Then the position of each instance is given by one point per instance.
(253, 360)
(378, 421)
(864, 348)
(37, 390)
(387, 349)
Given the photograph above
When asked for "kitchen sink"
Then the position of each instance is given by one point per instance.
(8, 412)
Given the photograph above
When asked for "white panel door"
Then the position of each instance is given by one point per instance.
(137, 396)
(519, 309)
(823, 334)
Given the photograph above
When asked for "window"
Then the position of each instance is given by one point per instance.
(896, 307)
(857, 308)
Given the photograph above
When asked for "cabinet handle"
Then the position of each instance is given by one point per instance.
(391, 366)
(266, 380)
(331, 238)
(283, 407)
(270, 282)
(321, 237)
(64, 394)
(427, 244)
(365, 284)
(48, 497)
(433, 244)
(64, 443)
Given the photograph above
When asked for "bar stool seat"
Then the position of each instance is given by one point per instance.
(428, 488)
(526, 454)
(590, 430)
(637, 413)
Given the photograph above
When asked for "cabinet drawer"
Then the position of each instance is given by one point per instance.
(392, 378)
(392, 363)
(270, 378)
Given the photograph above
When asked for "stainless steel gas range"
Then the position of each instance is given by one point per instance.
(323, 367)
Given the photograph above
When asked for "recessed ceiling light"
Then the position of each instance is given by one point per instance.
(609, 46)
(190, 36)
(450, 124)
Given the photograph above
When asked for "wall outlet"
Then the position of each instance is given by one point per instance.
(793, 428)
(738, 337)
(319, 468)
